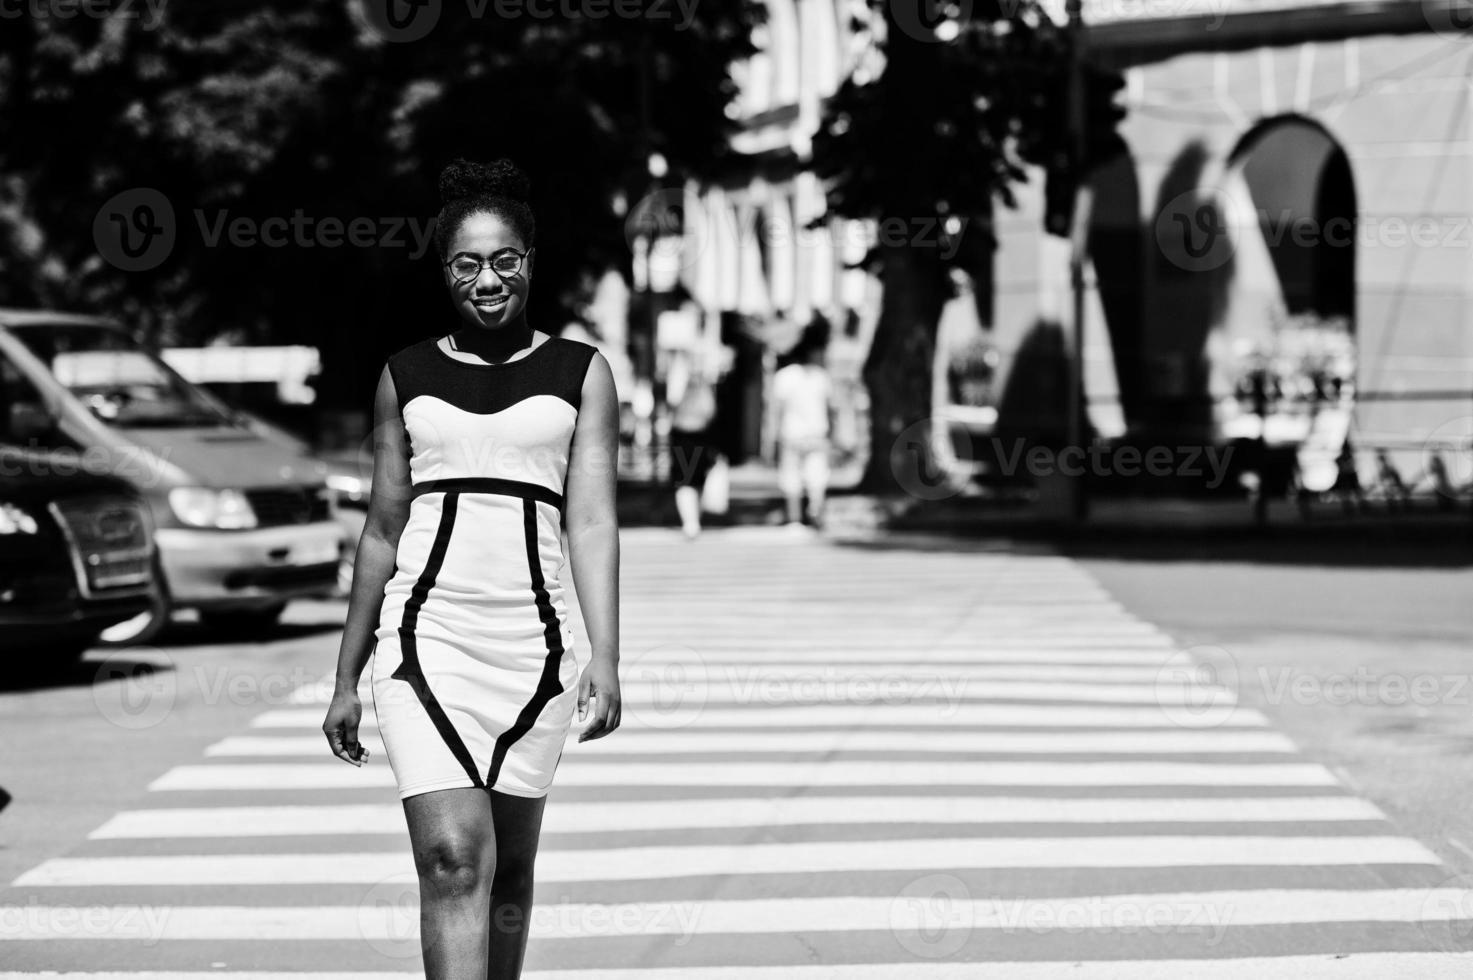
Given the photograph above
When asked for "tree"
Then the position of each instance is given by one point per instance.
(195, 106)
(967, 96)
(265, 110)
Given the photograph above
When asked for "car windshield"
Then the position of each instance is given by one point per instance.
(118, 379)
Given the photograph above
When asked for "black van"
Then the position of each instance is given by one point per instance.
(76, 556)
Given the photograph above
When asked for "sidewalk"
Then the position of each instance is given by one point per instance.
(1148, 526)
(754, 498)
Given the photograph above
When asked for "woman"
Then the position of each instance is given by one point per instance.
(485, 441)
(691, 388)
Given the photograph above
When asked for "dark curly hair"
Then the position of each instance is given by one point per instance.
(499, 188)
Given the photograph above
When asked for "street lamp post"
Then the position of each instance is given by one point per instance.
(1079, 244)
(659, 413)
(648, 361)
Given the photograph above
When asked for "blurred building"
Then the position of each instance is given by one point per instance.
(1295, 205)
(1297, 200)
(746, 272)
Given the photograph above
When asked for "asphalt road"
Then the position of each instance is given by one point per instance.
(1369, 667)
(872, 760)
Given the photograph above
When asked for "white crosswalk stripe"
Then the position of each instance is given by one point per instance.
(637, 863)
(913, 715)
(289, 821)
(575, 771)
(835, 762)
(1218, 910)
(1373, 966)
(637, 741)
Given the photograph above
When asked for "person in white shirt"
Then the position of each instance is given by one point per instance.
(802, 400)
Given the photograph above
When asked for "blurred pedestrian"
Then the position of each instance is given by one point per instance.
(690, 388)
(488, 443)
(1389, 482)
(803, 400)
(1347, 481)
(1442, 483)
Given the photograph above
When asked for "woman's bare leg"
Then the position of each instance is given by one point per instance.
(453, 836)
(688, 505)
(518, 822)
(816, 479)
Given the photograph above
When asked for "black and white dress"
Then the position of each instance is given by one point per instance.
(474, 677)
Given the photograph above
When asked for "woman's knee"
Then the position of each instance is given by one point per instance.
(514, 874)
(455, 865)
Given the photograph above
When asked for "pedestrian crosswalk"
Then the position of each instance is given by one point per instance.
(836, 761)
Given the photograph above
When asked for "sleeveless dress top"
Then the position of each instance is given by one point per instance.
(474, 679)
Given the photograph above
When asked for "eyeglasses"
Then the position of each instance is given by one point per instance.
(505, 262)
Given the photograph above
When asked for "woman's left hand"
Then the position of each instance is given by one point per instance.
(600, 681)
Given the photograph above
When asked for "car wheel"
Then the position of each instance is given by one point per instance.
(147, 625)
(243, 622)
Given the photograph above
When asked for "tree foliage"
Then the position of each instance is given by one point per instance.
(968, 95)
(957, 111)
(281, 108)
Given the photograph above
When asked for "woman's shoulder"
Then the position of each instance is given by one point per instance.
(571, 359)
(407, 368)
(576, 354)
(573, 346)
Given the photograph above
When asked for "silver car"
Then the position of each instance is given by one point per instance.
(244, 523)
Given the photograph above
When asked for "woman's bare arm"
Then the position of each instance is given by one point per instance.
(593, 541)
(388, 509)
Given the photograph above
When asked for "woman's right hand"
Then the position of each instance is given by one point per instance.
(341, 727)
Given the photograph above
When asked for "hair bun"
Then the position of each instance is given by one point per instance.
(501, 178)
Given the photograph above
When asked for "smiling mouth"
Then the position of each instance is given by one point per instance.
(493, 303)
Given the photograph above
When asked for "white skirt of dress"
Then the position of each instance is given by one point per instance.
(474, 675)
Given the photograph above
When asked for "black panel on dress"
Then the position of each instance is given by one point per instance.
(423, 369)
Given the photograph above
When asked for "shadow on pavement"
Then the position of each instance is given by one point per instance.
(189, 633)
(107, 663)
(100, 666)
(1350, 546)
(1158, 530)
(1441, 541)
